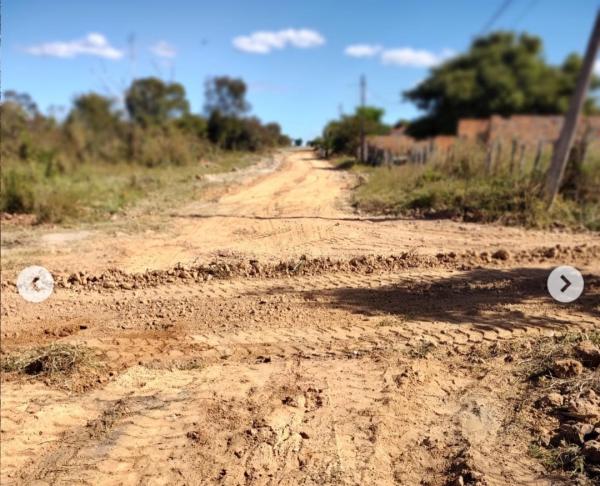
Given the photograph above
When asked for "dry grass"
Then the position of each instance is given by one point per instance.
(463, 187)
(54, 359)
(535, 365)
(545, 351)
(567, 458)
(91, 192)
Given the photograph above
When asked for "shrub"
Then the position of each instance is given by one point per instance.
(17, 195)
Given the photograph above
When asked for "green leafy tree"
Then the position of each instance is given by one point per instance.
(193, 124)
(228, 126)
(96, 112)
(150, 101)
(23, 129)
(502, 74)
(343, 136)
(93, 128)
(23, 101)
(226, 95)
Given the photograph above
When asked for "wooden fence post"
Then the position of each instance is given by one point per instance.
(498, 156)
(522, 160)
(489, 158)
(538, 158)
(513, 153)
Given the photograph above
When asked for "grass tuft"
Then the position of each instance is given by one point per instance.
(49, 360)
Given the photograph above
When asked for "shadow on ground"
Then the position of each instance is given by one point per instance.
(484, 298)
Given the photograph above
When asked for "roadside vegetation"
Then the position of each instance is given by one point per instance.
(461, 188)
(101, 159)
(96, 191)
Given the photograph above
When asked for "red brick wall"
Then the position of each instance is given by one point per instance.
(532, 129)
(473, 129)
(525, 129)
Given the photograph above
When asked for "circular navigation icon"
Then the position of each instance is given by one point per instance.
(35, 284)
(565, 284)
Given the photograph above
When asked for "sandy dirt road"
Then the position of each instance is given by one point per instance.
(369, 371)
(296, 205)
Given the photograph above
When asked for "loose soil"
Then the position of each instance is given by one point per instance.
(270, 335)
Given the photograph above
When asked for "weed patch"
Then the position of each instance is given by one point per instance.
(463, 190)
(55, 359)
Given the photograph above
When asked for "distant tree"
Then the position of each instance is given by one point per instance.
(226, 95)
(151, 101)
(23, 127)
(343, 136)
(14, 128)
(501, 73)
(298, 142)
(23, 101)
(273, 136)
(93, 128)
(96, 112)
(228, 126)
(193, 124)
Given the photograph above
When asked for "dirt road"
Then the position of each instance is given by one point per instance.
(369, 356)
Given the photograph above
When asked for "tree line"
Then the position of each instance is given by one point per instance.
(153, 126)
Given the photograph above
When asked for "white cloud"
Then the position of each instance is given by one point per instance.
(597, 67)
(93, 44)
(164, 49)
(407, 56)
(263, 42)
(362, 50)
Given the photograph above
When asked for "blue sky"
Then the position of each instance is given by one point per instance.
(302, 59)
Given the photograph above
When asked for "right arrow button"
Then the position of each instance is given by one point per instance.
(565, 284)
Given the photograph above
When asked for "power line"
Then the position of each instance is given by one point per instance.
(505, 4)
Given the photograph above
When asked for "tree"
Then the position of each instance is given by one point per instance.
(228, 127)
(95, 112)
(343, 136)
(501, 74)
(93, 128)
(193, 124)
(226, 95)
(23, 101)
(150, 101)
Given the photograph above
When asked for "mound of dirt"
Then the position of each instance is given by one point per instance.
(225, 269)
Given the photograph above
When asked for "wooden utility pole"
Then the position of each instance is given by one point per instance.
(567, 133)
(363, 96)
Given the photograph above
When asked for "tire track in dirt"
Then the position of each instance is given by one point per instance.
(372, 419)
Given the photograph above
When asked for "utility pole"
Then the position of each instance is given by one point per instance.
(363, 96)
(567, 133)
